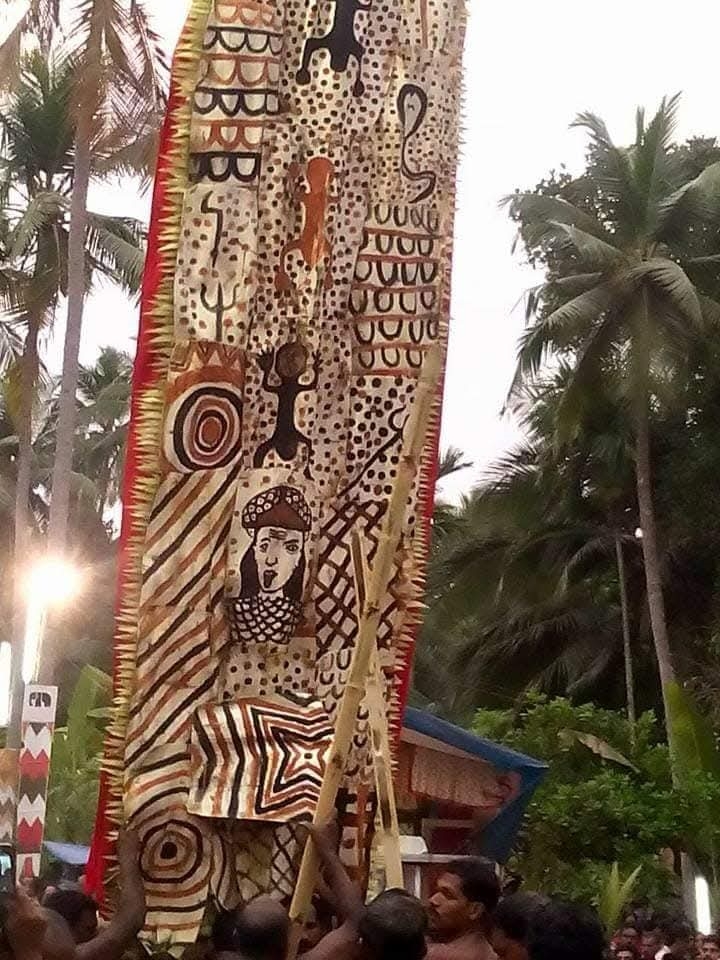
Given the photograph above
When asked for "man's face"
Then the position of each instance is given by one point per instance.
(683, 948)
(710, 950)
(86, 927)
(277, 553)
(313, 931)
(450, 913)
(650, 942)
(629, 937)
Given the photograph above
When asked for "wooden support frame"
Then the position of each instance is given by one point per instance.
(415, 434)
(380, 738)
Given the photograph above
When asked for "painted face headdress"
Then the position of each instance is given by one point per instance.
(283, 507)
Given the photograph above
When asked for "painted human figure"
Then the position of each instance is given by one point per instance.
(340, 42)
(289, 363)
(313, 192)
(272, 570)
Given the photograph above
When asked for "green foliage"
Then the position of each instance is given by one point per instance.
(616, 896)
(523, 586)
(592, 812)
(697, 755)
(75, 767)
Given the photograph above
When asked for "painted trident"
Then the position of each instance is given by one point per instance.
(220, 307)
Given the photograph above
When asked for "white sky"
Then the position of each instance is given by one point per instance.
(530, 68)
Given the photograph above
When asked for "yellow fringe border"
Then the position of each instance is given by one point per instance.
(414, 608)
(151, 403)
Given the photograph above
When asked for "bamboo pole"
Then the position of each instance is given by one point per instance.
(380, 739)
(382, 571)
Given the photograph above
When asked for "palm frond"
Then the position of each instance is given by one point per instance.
(593, 251)
(653, 160)
(674, 286)
(540, 215)
(549, 334)
(42, 212)
(150, 65)
(452, 461)
(584, 377)
(116, 246)
(697, 200)
(611, 170)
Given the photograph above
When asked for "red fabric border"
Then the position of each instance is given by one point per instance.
(144, 378)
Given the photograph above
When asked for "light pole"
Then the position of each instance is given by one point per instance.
(49, 585)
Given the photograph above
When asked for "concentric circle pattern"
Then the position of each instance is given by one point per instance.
(172, 853)
(206, 428)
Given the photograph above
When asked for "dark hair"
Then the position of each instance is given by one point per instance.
(261, 930)
(651, 923)
(478, 880)
(565, 931)
(677, 928)
(394, 927)
(70, 904)
(712, 938)
(223, 931)
(514, 913)
(629, 948)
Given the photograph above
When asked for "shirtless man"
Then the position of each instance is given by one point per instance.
(79, 911)
(460, 911)
(392, 927)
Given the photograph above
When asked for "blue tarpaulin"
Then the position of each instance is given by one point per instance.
(499, 835)
(70, 853)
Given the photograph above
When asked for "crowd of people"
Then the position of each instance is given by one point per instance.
(656, 936)
(466, 918)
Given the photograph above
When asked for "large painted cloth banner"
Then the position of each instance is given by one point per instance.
(298, 274)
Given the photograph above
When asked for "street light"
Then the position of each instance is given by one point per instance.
(50, 584)
(703, 910)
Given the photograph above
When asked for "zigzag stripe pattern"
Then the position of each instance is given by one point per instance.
(38, 725)
(8, 789)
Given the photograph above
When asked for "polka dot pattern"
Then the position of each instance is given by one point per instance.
(312, 277)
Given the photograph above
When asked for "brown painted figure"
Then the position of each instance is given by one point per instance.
(312, 192)
(290, 363)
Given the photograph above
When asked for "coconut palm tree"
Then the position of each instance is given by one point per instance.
(37, 135)
(523, 589)
(39, 19)
(104, 415)
(627, 297)
(118, 100)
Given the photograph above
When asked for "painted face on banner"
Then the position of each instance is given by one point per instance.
(278, 554)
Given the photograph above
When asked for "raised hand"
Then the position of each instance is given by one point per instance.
(266, 360)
